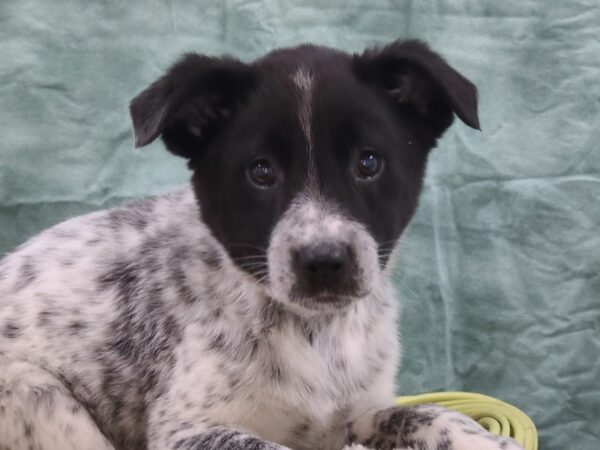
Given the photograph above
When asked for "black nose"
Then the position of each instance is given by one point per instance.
(323, 261)
(324, 267)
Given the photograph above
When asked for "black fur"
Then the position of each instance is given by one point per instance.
(223, 114)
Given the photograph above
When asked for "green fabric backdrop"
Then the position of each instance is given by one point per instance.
(499, 273)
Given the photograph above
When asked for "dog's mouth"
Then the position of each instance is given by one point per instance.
(326, 300)
(331, 296)
(315, 298)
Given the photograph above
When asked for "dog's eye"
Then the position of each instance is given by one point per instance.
(368, 164)
(262, 173)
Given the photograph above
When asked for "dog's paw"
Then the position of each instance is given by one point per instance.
(431, 427)
(460, 432)
(465, 440)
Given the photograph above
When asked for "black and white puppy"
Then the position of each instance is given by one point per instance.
(253, 309)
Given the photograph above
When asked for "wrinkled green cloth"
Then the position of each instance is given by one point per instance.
(498, 273)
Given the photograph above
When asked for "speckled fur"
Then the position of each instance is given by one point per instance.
(159, 337)
(134, 328)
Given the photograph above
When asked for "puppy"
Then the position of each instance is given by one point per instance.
(254, 308)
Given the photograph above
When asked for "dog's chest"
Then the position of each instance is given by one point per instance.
(301, 383)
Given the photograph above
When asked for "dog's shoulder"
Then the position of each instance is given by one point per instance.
(88, 244)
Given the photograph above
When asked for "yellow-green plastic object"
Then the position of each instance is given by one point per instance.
(494, 415)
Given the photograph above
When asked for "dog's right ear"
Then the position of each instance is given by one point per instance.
(191, 102)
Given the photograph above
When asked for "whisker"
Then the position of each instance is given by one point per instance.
(249, 258)
(261, 273)
(263, 250)
(263, 278)
(251, 266)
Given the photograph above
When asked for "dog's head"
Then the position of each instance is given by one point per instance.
(307, 162)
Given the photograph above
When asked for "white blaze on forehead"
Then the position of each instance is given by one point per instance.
(304, 81)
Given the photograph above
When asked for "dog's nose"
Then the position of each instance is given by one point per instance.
(323, 261)
(323, 267)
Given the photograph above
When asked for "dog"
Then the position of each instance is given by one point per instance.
(254, 308)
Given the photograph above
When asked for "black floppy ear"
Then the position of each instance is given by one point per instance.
(421, 82)
(190, 102)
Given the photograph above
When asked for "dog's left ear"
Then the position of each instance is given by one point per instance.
(420, 82)
(191, 102)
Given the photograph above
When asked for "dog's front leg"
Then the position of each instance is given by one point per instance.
(424, 427)
(184, 430)
(222, 438)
